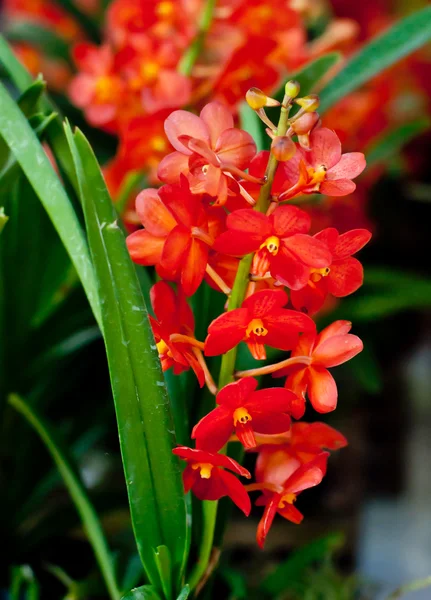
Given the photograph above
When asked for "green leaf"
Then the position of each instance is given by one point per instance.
(294, 568)
(3, 219)
(401, 39)
(37, 35)
(29, 153)
(147, 436)
(184, 594)
(76, 490)
(23, 577)
(29, 99)
(22, 80)
(145, 592)
(11, 170)
(391, 142)
(250, 122)
(164, 566)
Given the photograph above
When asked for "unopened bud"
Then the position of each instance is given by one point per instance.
(305, 123)
(283, 148)
(309, 103)
(292, 88)
(257, 99)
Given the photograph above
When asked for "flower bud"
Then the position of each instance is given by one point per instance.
(309, 103)
(305, 123)
(283, 148)
(292, 88)
(257, 99)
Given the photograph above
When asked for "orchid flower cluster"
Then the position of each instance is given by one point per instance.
(226, 215)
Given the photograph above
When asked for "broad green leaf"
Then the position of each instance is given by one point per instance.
(43, 38)
(392, 45)
(294, 568)
(29, 153)
(3, 219)
(22, 79)
(147, 436)
(76, 490)
(164, 566)
(145, 592)
(16, 71)
(250, 122)
(391, 142)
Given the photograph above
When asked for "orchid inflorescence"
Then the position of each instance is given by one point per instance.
(225, 214)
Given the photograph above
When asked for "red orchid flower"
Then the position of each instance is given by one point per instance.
(333, 346)
(149, 67)
(176, 237)
(207, 147)
(302, 441)
(322, 169)
(97, 89)
(260, 321)
(342, 277)
(128, 19)
(206, 477)
(174, 323)
(279, 498)
(280, 241)
(243, 410)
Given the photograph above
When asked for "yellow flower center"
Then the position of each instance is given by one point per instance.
(104, 89)
(256, 326)
(163, 348)
(205, 469)
(158, 143)
(272, 244)
(286, 499)
(165, 9)
(317, 175)
(149, 71)
(241, 415)
(317, 274)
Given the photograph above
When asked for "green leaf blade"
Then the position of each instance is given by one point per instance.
(401, 39)
(30, 155)
(146, 431)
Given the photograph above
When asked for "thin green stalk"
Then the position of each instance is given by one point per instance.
(193, 51)
(413, 586)
(229, 359)
(78, 493)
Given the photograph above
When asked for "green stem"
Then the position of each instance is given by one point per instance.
(229, 359)
(89, 517)
(193, 51)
